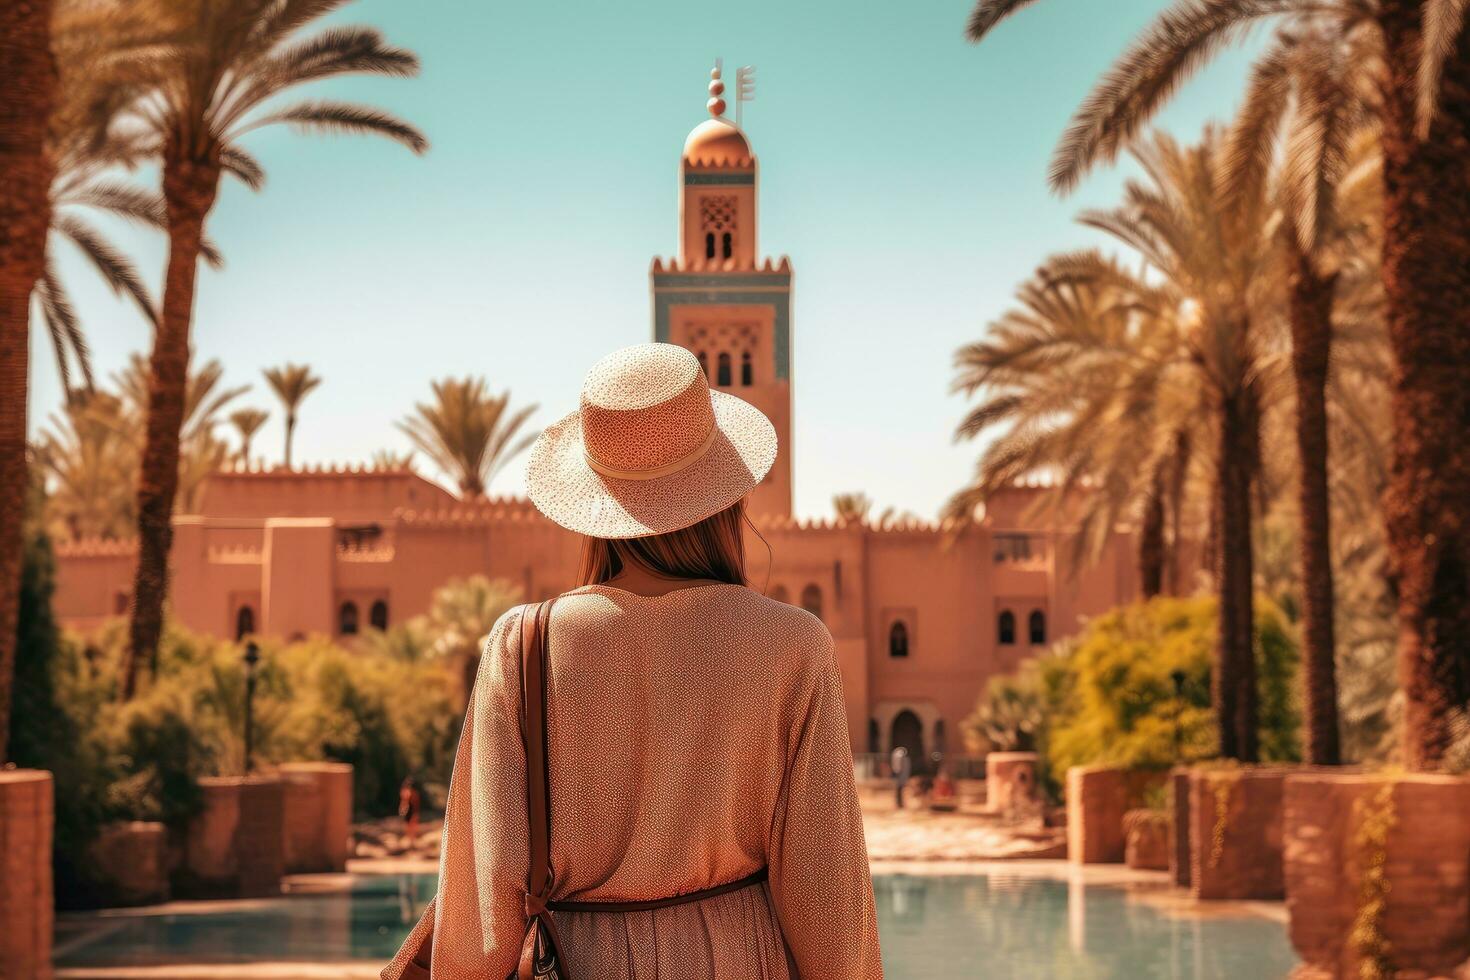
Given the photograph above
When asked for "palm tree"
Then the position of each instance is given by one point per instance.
(1420, 72)
(189, 104)
(202, 452)
(1202, 302)
(852, 508)
(461, 615)
(247, 421)
(89, 455)
(468, 432)
(291, 383)
(1304, 103)
(26, 100)
(1086, 389)
(391, 459)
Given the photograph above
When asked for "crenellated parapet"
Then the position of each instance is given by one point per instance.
(495, 510)
(673, 265)
(258, 469)
(236, 554)
(96, 548)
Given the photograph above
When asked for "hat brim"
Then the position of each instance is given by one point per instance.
(565, 487)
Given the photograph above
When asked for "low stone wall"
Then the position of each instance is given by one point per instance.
(1097, 799)
(26, 899)
(1377, 872)
(132, 859)
(1010, 785)
(1235, 833)
(235, 845)
(1146, 833)
(1179, 858)
(318, 815)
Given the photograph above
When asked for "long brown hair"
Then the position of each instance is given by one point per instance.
(712, 549)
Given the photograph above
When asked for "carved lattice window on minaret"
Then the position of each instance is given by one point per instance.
(717, 221)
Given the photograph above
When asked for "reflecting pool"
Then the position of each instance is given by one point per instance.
(996, 925)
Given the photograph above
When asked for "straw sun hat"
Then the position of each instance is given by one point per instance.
(651, 450)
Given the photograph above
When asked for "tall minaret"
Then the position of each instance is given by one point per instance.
(716, 299)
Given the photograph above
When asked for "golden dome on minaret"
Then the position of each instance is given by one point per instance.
(717, 141)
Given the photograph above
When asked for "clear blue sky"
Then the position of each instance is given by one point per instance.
(902, 170)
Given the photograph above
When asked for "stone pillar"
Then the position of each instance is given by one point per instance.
(235, 844)
(1378, 872)
(211, 866)
(132, 858)
(1179, 859)
(26, 900)
(260, 836)
(1146, 833)
(1011, 788)
(1097, 798)
(318, 815)
(1235, 833)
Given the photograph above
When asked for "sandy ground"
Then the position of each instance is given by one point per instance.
(914, 833)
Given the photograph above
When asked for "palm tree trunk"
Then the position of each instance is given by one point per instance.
(1311, 345)
(1234, 681)
(189, 189)
(26, 98)
(1178, 472)
(1426, 284)
(1151, 538)
(290, 431)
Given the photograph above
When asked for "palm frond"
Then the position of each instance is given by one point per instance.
(1443, 21)
(1183, 39)
(1252, 142)
(129, 201)
(64, 329)
(242, 166)
(344, 117)
(988, 13)
(117, 270)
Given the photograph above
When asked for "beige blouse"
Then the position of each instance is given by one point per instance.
(695, 737)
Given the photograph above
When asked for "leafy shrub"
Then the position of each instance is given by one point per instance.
(1107, 696)
(1121, 707)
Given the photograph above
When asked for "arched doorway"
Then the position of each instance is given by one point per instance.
(908, 732)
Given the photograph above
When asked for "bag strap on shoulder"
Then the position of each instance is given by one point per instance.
(534, 625)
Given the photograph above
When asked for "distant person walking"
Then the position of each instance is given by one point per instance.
(903, 769)
(410, 801)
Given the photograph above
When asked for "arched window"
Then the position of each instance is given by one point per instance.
(940, 738)
(898, 639)
(873, 736)
(747, 371)
(347, 619)
(378, 615)
(709, 244)
(727, 245)
(703, 362)
(780, 594)
(244, 622)
(120, 604)
(811, 600)
(1006, 628)
(723, 371)
(1036, 627)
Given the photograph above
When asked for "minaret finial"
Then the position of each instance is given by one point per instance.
(716, 105)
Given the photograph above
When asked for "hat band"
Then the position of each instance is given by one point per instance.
(668, 468)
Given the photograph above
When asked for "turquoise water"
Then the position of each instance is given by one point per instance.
(991, 926)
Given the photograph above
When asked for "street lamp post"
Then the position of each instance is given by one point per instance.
(1178, 677)
(252, 657)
